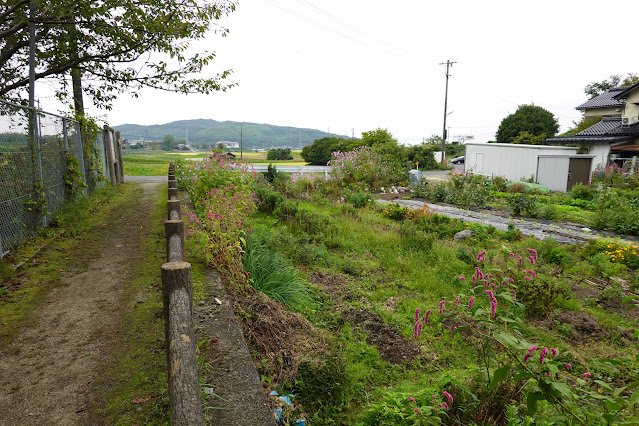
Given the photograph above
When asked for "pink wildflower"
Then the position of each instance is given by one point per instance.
(512, 255)
(441, 307)
(452, 329)
(527, 278)
(586, 375)
(474, 280)
(417, 314)
(446, 405)
(480, 256)
(553, 352)
(493, 308)
(462, 278)
(521, 261)
(470, 302)
(532, 348)
(410, 398)
(416, 409)
(512, 290)
(457, 301)
(426, 315)
(449, 396)
(542, 355)
(568, 365)
(531, 272)
(527, 357)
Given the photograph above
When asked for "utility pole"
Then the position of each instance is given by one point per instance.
(241, 124)
(448, 65)
(353, 136)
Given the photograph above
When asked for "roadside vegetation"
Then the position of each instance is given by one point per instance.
(377, 315)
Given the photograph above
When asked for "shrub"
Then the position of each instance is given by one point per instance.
(286, 210)
(467, 189)
(271, 173)
(361, 199)
(413, 238)
(548, 212)
(513, 233)
(540, 296)
(267, 200)
(362, 166)
(522, 202)
(395, 211)
(499, 183)
(583, 192)
(279, 154)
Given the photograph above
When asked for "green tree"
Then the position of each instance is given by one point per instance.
(168, 142)
(113, 46)
(383, 143)
(596, 88)
(527, 138)
(424, 155)
(319, 153)
(529, 118)
(279, 154)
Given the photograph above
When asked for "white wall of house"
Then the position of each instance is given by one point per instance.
(601, 112)
(632, 105)
(512, 161)
(600, 152)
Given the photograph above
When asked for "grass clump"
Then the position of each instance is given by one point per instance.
(270, 273)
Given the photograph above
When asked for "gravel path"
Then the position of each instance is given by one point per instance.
(562, 232)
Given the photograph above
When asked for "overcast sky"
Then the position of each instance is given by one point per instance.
(363, 64)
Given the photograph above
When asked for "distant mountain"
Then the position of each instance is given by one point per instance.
(210, 132)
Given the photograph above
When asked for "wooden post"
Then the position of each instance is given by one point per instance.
(184, 391)
(173, 207)
(172, 183)
(119, 155)
(173, 193)
(174, 230)
(108, 142)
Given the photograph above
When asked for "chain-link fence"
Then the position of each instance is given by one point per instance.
(33, 160)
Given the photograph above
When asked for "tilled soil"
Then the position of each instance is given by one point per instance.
(46, 373)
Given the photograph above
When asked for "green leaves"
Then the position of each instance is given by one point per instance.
(499, 375)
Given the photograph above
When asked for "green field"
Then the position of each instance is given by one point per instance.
(156, 163)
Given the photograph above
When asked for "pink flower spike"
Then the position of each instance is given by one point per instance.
(410, 398)
(553, 352)
(426, 315)
(532, 260)
(527, 357)
(449, 396)
(533, 273)
(417, 311)
(512, 255)
(434, 397)
(474, 280)
(532, 348)
(462, 278)
(457, 301)
(524, 271)
(470, 302)
(446, 405)
(416, 409)
(514, 294)
(568, 365)
(441, 307)
(586, 375)
(542, 355)
(527, 278)
(452, 329)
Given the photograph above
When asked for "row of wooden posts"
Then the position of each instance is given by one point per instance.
(177, 295)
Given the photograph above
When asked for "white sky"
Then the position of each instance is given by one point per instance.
(363, 64)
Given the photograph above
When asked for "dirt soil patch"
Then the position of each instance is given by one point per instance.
(46, 373)
(626, 310)
(390, 343)
(584, 327)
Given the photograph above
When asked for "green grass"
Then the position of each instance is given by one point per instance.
(380, 263)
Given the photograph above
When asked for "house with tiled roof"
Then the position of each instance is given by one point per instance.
(614, 138)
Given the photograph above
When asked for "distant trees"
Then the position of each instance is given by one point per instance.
(279, 154)
(168, 142)
(616, 80)
(319, 152)
(534, 120)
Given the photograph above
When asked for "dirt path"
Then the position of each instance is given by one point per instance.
(46, 374)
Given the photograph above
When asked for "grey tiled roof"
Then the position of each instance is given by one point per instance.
(626, 91)
(606, 99)
(601, 128)
(625, 130)
(588, 139)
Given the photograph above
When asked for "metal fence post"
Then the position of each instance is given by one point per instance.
(109, 148)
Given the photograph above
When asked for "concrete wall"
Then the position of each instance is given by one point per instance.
(601, 112)
(511, 161)
(600, 152)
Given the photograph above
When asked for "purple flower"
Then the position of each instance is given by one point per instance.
(527, 357)
(457, 301)
(470, 302)
(410, 398)
(426, 315)
(441, 307)
(417, 330)
(527, 278)
(532, 260)
(462, 278)
(512, 255)
(449, 396)
(493, 308)
(417, 311)
(512, 290)
(452, 328)
(531, 272)
(568, 365)
(445, 405)
(553, 352)
(586, 375)
(532, 348)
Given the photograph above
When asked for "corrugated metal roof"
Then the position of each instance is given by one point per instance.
(588, 140)
(601, 128)
(606, 99)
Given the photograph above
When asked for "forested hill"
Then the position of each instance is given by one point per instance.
(203, 131)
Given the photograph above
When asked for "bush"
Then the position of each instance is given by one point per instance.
(361, 199)
(286, 210)
(583, 192)
(268, 200)
(271, 173)
(467, 189)
(513, 233)
(522, 202)
(548, 212)
(540, 296)
(412, 238)
(395, 211)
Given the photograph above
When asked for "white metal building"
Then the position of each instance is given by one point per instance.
(556, 167)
